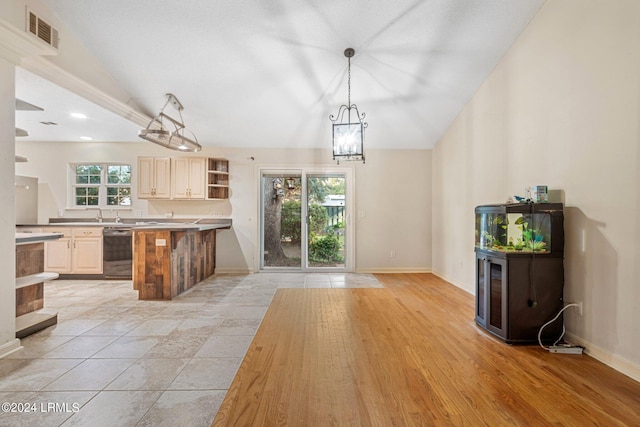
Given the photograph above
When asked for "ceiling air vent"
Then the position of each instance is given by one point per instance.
(41, 29)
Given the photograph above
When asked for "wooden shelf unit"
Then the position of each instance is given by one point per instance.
(30, 277)
(217, 178)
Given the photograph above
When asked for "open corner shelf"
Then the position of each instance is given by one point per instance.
(217, 179)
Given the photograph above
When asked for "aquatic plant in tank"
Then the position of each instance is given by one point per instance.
(513, 232)
(532, 239)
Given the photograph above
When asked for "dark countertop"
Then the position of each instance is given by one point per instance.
(180, 227)
(200, 224)
(25, 238)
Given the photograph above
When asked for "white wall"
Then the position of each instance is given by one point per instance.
(393, 189)
(14, 46)
(8, 342)
(562, 109)
(394, 211)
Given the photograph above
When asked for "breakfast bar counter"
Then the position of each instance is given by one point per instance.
(170, 258)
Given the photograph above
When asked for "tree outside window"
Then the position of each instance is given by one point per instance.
(87, 185)
(118, 185)
(102, 185)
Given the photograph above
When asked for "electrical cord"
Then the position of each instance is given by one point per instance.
(533, 299)
(551, 321)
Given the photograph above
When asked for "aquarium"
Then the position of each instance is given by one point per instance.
(519, 227)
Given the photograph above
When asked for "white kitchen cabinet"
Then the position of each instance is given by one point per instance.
(154, 177)
(86, 250)
(188, 177)
(79, 251)
(57, 253)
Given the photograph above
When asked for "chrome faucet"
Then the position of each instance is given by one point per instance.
(118, 219)
(98, 215)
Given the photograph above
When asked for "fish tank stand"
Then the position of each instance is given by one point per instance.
(519, 270)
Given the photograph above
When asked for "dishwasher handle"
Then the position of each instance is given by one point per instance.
(117, 232)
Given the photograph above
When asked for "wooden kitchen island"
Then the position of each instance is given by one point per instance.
(169, 259)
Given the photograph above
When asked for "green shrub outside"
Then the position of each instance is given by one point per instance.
(290, 221)
(325, 248)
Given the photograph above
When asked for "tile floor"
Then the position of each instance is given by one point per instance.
(113, 360)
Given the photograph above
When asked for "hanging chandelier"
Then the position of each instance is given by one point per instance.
(175, 139)
(348, 134)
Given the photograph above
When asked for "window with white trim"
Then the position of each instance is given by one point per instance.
(101, 185)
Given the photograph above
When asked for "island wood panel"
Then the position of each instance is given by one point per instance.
(152, 264)
(29, 260)
(410, 355)
(206, 253)
(163, 272)
(192, 258)
(180, 264)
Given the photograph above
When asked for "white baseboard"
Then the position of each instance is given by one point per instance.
(10, 347)
(393, 270)
(618, 363)
(361, 271)
(453, 282)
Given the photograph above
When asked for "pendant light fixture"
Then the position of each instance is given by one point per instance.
(175, 139)
(348, 125)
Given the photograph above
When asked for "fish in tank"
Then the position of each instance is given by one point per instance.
(514, 232)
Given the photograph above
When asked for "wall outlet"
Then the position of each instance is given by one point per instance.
(578, 307)
(392, 254)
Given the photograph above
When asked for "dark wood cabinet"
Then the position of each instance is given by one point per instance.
(516, 296)
(518, 291)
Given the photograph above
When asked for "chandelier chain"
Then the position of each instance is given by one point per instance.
(349, 86)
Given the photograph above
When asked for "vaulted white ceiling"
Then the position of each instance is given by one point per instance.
(268, 73)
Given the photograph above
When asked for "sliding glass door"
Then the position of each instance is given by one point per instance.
(326, 222)
(304, 221)
(282, 220)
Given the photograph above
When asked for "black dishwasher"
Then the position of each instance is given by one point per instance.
(117, 253)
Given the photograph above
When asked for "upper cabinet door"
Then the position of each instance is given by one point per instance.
(188, 178)
(180, 178)
(197, 178)
(146, 181)
(163, 177)
(154, 177)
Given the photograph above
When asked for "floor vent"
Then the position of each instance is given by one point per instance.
(41, 29)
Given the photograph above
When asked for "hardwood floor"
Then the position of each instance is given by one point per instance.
(410, 354)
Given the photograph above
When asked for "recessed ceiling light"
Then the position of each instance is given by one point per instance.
(79, 115)
(86, 138)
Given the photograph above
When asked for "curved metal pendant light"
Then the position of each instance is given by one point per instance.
(175, 139)
(348, 135)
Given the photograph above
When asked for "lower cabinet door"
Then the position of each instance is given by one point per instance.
(57, 255)
(87, 255)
